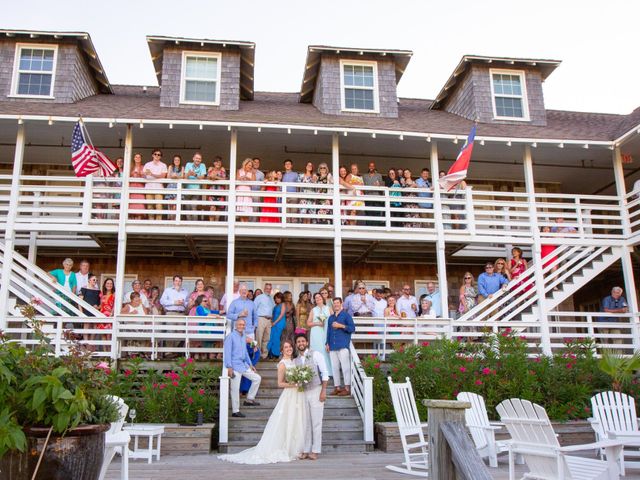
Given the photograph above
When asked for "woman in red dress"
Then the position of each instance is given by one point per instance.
(517, 265)
(546, 251)
(270, 179)
(107, 304)
(136, 172)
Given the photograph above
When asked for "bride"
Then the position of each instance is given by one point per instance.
(283, 437)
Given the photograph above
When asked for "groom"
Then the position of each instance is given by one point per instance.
(315, 395)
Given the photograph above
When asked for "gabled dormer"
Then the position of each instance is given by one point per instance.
(497, 90)
(351, 81)
(56, 67)
(203, 73)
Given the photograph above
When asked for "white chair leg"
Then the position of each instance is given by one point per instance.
(124, 472)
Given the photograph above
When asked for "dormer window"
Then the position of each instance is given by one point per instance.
(509, 95)
(200, 84)
(359, 86)
(34, 69)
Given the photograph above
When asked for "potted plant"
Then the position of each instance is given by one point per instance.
(53, 410)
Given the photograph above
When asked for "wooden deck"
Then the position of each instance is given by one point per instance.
(366, 466)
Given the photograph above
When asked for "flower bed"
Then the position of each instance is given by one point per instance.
(497, 368)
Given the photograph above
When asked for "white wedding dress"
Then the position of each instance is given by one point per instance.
(283, 437)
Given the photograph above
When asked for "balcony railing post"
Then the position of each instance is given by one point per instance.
(579, 217)
(87, 199)
(387, 209)
(179, 199)
(471, 214)
(284, 206)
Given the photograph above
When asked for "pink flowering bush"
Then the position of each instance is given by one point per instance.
(497, 368)
(175, 396)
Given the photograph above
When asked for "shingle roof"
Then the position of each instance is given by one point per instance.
(415, 115)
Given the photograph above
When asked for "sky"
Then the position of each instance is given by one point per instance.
(596, 40)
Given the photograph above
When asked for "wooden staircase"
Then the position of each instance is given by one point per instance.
(342, 428)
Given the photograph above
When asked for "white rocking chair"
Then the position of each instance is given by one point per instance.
(533, 437)
(117, 440)
(482, 430)
(415, 452)
(614, 418)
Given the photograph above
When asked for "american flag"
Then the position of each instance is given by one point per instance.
(85, 158)
(458, 170)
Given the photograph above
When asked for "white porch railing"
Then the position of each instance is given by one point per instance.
(362, 392)
(59, 202)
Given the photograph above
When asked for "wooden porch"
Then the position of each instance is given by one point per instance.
(335, 466)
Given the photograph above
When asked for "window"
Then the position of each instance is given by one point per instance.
(359, 86)
(34, 69)
(509, 95)
(200, 82)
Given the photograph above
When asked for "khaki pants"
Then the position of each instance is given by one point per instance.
(313, 420)
(235, 387)
(341, 363)
(157, 206)
(263, 334)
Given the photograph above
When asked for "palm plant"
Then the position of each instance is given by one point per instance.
(619, 367)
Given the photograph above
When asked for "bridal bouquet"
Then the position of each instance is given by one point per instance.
(299, 375)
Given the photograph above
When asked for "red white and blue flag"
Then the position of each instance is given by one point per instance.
(458, 170)
(85, 158)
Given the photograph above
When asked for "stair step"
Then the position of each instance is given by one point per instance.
(327, 436)
(264, 411)
(346, 421)
(333, 446)
(332, 402)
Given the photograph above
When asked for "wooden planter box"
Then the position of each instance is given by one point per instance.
(183, 439)
(576, 432)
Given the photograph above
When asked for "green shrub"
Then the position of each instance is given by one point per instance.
(497, 368)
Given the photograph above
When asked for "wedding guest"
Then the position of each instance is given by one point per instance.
(345, 189)
(264, 305)
(424, 182)
(614, 303)
(303, 308)
(243, 203)
(290, 176)
(250, 294)
(324, 291)
(258, 174)
(324, 177)
(137, 171)
(517, 265)
(174, 172)
(560, 227)
(278, 321)
(362, 303)
(355, 180)
(426, 309)
(156, 307)
(290, 317)
(501, 268)
(373, 179)
(468, 294)
(136, 286)
(216, 173)
(146, 287)
(270, 186)
(407, 303)
(317, 324)
(224, 303)
(341, 327)
(392, 182)
(307, 177)
(194, 170)
(411, 214)
(134, 307)
(82, 275)
(153, 170)
(238, 365)
(174, 298)
(243, 308)
(391, 311)
(546, 252)
(489, 283)
(380, 304)
(65, 277)
(203, 309)
(107, 299)
(91, 295)
(433, 294)
(197, 291)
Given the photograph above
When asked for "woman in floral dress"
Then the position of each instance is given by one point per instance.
(468, 294)
(410, 184)
(324, 177)
(307, 177)
(215, 173)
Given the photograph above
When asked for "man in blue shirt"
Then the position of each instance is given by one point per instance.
(238, 365)
(423, 182)
(490, 282)
(243, 308)
(289, 176)
(264, 306)
(434, 295)
(340, 328)
(614, 303)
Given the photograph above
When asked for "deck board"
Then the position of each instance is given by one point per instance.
(363, 466)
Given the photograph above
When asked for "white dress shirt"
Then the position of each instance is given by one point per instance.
(404, 305)
(380, 305)
(169, 298)
(82, 280)
(319, 359)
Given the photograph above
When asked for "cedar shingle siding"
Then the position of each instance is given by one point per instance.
(472, 97)
(327, 95)
(73, 79)
(229, 79)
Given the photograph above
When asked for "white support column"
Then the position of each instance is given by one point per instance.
(625, 259)
(621, 190)
(337, 224)
(536, 251)
(9, 234)
(440, 243)
(122, 223)
(33, 236)
(231, 217)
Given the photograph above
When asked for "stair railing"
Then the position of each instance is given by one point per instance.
(362, 392)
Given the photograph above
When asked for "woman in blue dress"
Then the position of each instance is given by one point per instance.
(317, 323)
(278, 321)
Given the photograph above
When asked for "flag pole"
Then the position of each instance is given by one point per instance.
(88, 137)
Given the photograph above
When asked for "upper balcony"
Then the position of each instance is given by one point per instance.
(202, 207)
